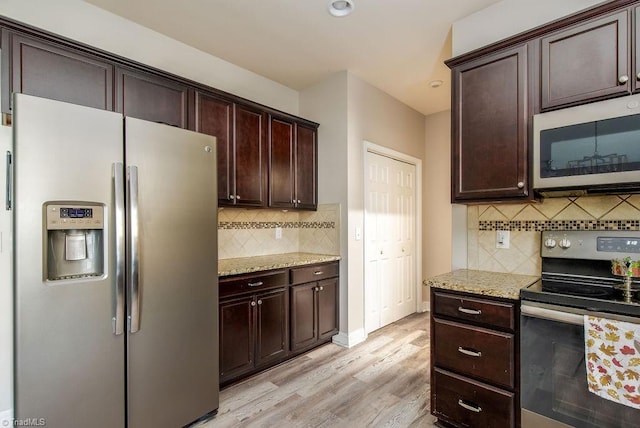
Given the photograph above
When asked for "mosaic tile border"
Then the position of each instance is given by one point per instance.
(247, 225)
(540, 225)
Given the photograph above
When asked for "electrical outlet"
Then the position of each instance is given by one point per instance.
(278, 233)
(502, 239)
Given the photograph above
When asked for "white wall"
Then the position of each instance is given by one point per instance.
(437, 213)
(514, 17)
(351, 111)
(89, 24)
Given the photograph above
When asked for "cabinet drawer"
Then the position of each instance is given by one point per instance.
(249, 283)
(491, 313)
(475, 351)
(469, 403)
(314, 272)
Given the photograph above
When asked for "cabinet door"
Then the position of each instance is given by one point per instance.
(327, 308)
(271, 326)
(150, 97)
(306, 172)
(490, 120)
(236, 337)
(586, 62)
(214, 116)
(281, 163)
(303, 316)
(250, 157)
(44, 70)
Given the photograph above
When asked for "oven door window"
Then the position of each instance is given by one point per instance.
(598, 147)
(554, 379)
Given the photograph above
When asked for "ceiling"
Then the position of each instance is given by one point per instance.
(397, 46)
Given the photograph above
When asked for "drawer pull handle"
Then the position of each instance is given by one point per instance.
(464, 405)
(318, 272)
(469, 352)
(469, 311)
(256, 284)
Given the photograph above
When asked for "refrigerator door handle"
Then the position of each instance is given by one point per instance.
(118, 188)
(9, 182)
(134, 251)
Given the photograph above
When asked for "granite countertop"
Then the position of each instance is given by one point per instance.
(496, 284)
(272, 261)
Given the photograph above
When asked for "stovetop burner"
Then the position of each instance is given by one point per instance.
(576, 271)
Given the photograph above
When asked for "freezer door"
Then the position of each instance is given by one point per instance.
(69, 365)
(173, 297)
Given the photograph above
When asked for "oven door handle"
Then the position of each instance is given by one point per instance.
(550, 314)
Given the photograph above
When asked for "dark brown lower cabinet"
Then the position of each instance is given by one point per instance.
(269, 316)
(314, 313)
(475, 372)
(253, 325)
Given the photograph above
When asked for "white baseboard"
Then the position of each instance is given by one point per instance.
(349, 340)
(426, 306)
(6, 418)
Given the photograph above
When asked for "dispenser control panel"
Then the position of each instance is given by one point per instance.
(70, 216)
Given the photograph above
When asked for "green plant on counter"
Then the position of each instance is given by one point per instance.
(625, 267)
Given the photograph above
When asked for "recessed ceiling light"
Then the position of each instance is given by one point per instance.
(340, 8)
(436, 83)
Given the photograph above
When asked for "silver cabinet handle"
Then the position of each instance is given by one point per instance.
(238, 197)
(318, 272)
(316, 289)
(469, 311)
(299, 201)
(638, 76)
(231, 197)
(520, 184)
(256, 284)
(469, 352)
(464, 405)
(134, 251)
(117, 172)
(623, 79)
(259, 302)
(321, 288)
(253, 303)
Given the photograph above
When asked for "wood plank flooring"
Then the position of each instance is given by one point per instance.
(383, 382)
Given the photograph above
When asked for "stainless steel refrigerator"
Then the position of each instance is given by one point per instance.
(115, 269)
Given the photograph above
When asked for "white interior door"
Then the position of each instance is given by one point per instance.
(390, 244)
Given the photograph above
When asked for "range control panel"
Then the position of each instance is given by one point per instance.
(69, 216)
(590, 244)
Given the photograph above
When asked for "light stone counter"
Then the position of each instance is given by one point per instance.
(272, 261)
(496, 284)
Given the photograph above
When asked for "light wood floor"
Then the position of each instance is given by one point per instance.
(383, 382)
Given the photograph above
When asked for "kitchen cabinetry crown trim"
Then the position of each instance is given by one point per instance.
(540, 31)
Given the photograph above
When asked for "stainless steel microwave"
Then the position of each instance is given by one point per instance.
(589, 148)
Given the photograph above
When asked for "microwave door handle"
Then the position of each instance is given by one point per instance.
(134, 251)
(118, 190)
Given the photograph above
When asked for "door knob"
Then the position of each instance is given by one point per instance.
(623, 79)
(520, 184)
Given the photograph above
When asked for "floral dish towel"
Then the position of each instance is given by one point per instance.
(612, 356)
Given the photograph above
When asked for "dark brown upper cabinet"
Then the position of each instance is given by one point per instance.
(241, 148)
(151, 97)
(490, 127)
(587, 61)
(292, 164)
(35, 67)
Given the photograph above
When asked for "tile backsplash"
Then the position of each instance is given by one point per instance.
(526, 221)
(252, 232)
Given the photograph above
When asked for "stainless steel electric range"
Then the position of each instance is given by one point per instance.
(576, 280)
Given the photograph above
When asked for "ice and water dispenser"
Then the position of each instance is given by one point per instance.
(75, 240)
